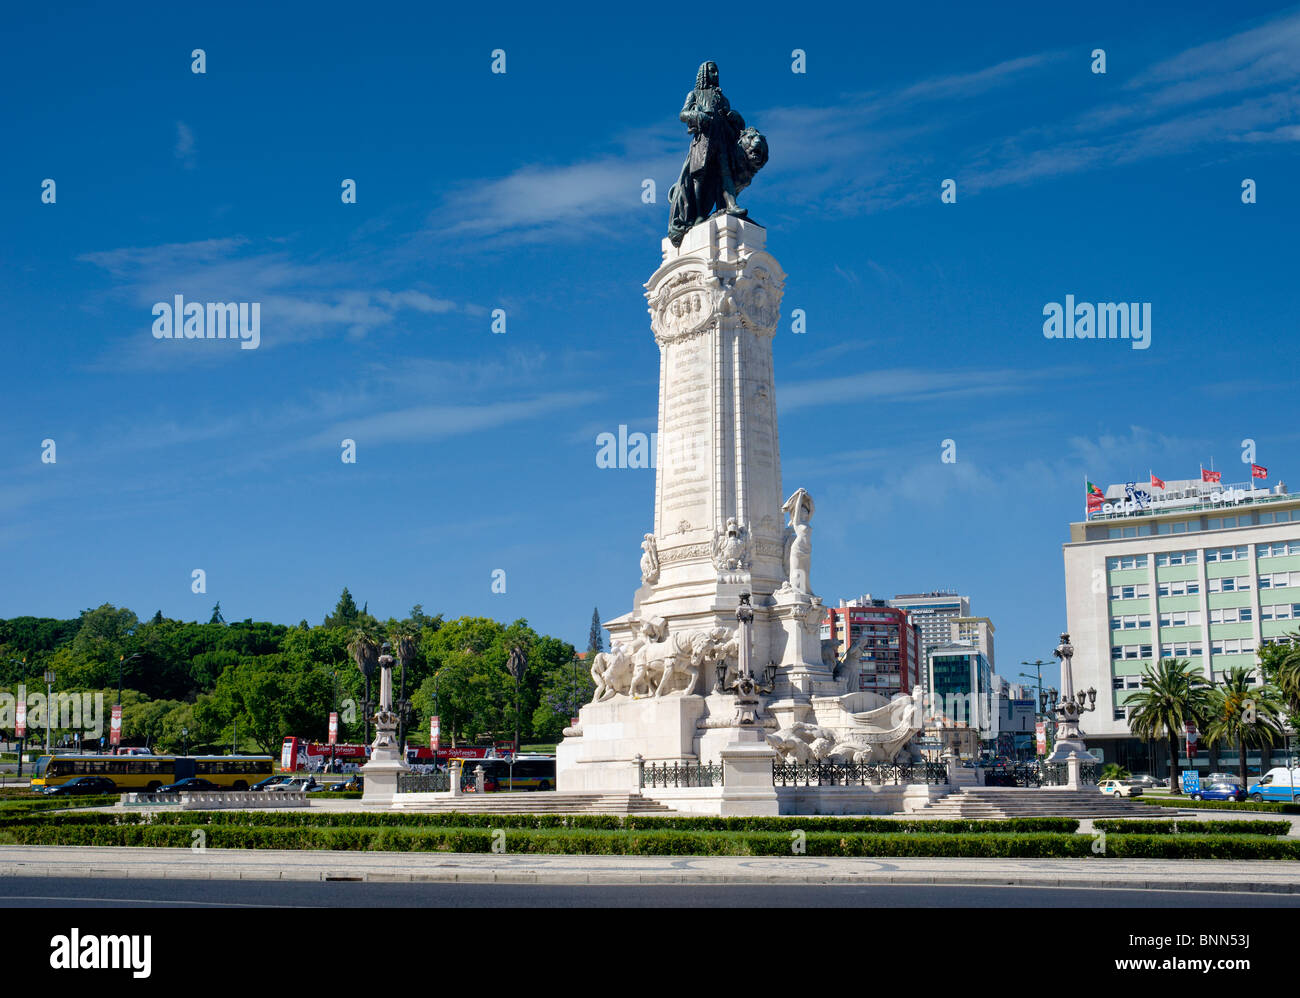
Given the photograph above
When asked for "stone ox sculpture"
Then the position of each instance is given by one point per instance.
(656, 663)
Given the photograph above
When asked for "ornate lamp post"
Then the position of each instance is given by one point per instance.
(386, 761)
(746, 685)
(1069, 742)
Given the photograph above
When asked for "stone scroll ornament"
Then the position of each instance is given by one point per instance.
(723, 158)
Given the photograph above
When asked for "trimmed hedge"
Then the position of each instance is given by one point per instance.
(1185, 826)
(658, 842)
(1187, 804)
(609, 822)
(31, 805)
(567, 841)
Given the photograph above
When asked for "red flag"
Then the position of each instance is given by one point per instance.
(1211, 476)
(1258, 471)
(1156, 483)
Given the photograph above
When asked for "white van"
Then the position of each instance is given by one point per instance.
(1277, 784)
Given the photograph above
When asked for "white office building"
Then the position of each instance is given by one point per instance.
(933, 614)
(1196, 571)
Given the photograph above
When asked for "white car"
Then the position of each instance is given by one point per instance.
(296, 786)
(1121, 788)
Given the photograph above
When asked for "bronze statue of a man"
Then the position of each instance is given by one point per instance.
(723, 158)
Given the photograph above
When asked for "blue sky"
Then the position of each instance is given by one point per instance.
(522, 191)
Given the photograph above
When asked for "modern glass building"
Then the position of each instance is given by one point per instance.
(961, 686)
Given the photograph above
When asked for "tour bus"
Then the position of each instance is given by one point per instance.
(148, 772)
(531, 772)
(1277, 784)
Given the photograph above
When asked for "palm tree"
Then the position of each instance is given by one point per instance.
(1282, 666)
(405, 643)
(1244, 714)
(1280, 660)
(1171, 696)
(364, 649)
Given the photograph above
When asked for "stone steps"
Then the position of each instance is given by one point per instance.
(998, 802)
(550, 802)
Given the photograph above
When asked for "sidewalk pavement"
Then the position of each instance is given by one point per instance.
(1271, 876)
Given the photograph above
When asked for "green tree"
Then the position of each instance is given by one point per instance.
(1280, 662)
(104, 633)
(345, 612)
(1244, 715)
(216, 615)
(596, 636)
(1171, 695)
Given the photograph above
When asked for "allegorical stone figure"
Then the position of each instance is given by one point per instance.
(798, 541)
(723, 158)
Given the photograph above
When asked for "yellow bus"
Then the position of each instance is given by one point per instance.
(148, 772)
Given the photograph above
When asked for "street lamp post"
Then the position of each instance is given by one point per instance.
(185, 741)
(516, 665)
(49, 695)
(22, 741)
(1037, 665)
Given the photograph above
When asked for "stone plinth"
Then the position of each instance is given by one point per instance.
(385, 766)
(614, 733)
(747, 787)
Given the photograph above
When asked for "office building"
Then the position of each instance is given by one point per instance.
(977, 631)
(933, 614)
(961, 686)
(889, 659)
(1200, 571)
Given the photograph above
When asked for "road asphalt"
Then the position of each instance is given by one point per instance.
(1267, 876)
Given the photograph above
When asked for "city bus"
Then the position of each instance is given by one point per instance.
(532, 772)
(148, 772)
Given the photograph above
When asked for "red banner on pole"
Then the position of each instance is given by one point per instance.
(334, 727)
(20, 717)
(435, 732)
(1258, 471)
(1040, 736)
(115, 725)
(1192, 739)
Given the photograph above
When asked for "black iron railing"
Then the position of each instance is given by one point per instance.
(416, 783)
(1039, 774)
(680, 774)
(857, 774)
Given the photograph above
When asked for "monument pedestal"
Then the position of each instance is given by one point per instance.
(601, 754)
(747, 787)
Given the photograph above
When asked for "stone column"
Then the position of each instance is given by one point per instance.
(386, 760)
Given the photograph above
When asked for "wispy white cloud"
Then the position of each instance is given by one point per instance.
(905, 385)
(300, 299)
(184, 149)
(868, 152)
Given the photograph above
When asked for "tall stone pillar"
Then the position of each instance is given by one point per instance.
(718, 528)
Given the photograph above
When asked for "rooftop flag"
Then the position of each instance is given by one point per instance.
(1155, 482)
(1258, 471)
(1211, 476)
(1095, 496)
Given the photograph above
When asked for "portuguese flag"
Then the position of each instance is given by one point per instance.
(1095, 497)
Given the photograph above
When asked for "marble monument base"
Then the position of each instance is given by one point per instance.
(603, 756)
